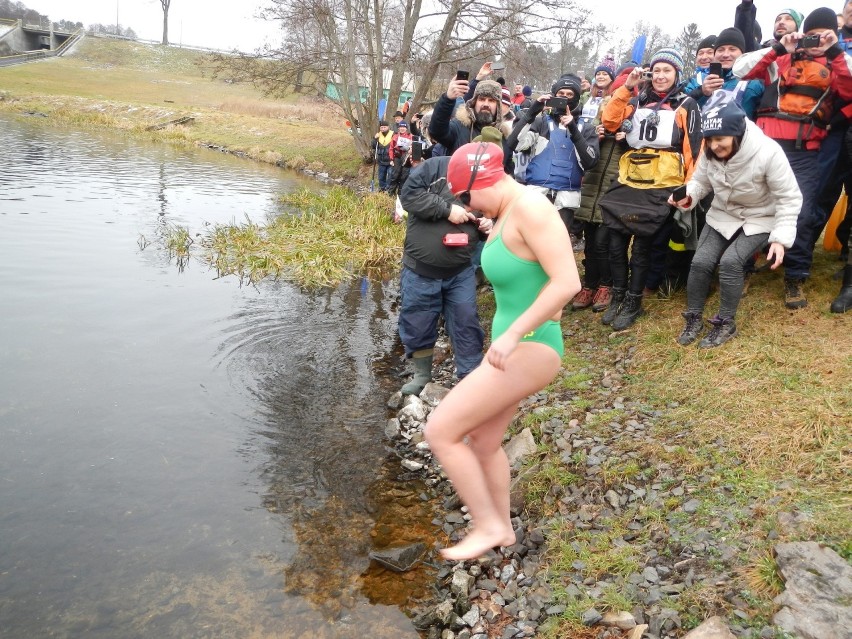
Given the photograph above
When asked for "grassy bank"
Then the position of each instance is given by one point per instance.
(130, 86)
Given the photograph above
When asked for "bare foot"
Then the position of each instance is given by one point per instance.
(477, 543)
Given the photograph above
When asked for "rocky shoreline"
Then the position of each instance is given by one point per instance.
(619, 543)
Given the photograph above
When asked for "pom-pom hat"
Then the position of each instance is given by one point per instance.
(607, 65)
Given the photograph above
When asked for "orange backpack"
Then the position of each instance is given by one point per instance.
(803, 90)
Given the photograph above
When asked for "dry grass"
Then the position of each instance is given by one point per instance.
(130, 86)
(779, 394)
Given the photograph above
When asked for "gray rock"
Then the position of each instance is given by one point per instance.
(395, 401)
(414, 410)
(399, 559)
(818, 590)
(713, 628)
(392, 428)
(471, 618)
(591, 617)
(623, 620)
(410, 464)
(432, 394)
(520, 446)
(461, 583)
(691, 506)
(650, 575)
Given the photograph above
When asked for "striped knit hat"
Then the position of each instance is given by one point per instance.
(671, 56)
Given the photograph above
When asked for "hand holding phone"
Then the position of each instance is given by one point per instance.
(462, 75)
(679, 193)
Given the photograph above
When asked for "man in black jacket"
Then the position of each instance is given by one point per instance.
(454, 127)
(437, 274)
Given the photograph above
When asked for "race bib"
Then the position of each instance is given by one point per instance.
(652, 129)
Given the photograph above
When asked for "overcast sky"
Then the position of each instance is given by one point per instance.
(229, 24)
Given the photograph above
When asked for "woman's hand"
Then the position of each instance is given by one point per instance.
(634, 78)
(775, 255)
(500, 350)
(485, 224)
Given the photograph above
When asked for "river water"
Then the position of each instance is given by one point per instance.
(181, 456)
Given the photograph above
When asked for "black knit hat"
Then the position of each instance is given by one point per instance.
(567, 81)
(822, 18)
(729, 119)
(735, 37)
(707, 43)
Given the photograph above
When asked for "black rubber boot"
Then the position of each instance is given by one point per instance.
(629, 312)
(694, 327)
(422, 361)
(843, 301)
(617, 297)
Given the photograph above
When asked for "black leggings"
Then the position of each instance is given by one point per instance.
(596, 260)
(640, 259)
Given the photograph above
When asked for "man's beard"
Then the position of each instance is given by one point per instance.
(485, 118)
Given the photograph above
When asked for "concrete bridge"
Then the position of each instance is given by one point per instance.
(24, 43)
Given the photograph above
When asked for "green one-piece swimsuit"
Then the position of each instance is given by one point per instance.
(517, 283)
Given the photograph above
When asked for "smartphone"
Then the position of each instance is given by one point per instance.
(716, 68)
(498, 66)
(462, 75)
(417, 150)
(808, 42)
(558, 104)
(679, 193)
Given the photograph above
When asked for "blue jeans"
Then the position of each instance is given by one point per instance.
(424, 299)
(384, 175)
(798, 258)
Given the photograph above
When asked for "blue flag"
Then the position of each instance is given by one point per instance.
(639, 49)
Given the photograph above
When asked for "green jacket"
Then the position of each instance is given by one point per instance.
(597, 180)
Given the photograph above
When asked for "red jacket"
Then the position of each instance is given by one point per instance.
(768, 66)
(395, 151)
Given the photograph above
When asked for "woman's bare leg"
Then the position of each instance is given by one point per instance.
(481, 406)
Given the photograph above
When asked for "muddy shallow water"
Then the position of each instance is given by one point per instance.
(181, 456)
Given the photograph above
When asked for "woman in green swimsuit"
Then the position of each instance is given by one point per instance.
(530, 263)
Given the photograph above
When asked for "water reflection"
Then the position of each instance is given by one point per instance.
(181, 457)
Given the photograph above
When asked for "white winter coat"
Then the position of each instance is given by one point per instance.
(755, 190)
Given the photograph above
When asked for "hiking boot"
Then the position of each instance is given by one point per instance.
(694, 327)
(583, 299)
(794, 296)
(843, 301)
(723, 330)
(602, 298)
(629, 312)
(422, 361)
(615, 301)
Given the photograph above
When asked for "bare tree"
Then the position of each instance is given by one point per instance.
(165, 4)
(363, 50)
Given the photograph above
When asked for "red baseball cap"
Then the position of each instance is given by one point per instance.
(475, 166)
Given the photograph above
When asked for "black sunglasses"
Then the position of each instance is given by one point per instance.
(464, 196)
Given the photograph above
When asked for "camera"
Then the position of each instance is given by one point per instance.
(647, 75)
(559, 105)
(808, 42)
